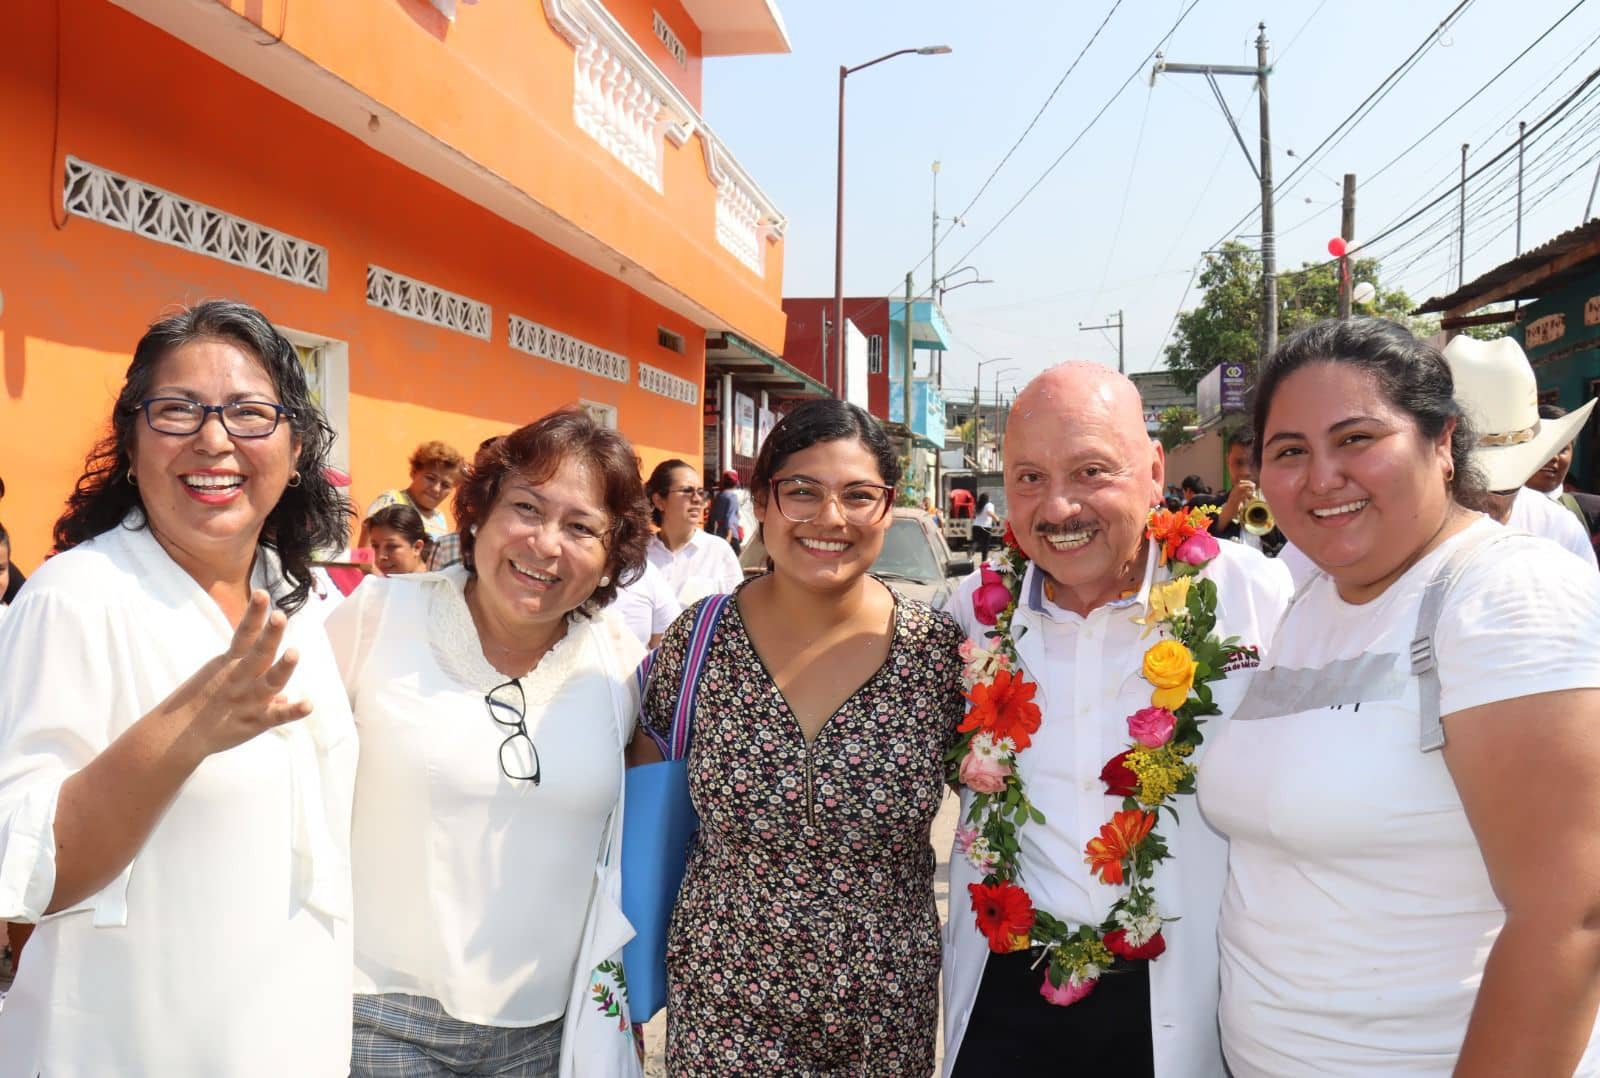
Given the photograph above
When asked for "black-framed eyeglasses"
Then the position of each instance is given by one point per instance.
(508, 707)
(802, 500)
(241, 419)
(698, 493)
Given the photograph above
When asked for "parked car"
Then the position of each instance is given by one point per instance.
(915, 561)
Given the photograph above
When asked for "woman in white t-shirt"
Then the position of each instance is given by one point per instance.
(1392, 909)
(494, 704)
(176, 754)
(695, 562)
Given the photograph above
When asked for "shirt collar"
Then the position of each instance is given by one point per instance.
(1033, 590)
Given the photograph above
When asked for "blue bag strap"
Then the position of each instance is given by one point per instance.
(705, 624)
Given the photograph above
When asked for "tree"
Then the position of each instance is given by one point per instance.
(1173, 420)
(1225, 327)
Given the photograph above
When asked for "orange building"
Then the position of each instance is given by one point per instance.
(463, 223)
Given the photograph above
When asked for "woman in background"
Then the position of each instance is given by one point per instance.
(399, 542)
(695, 562)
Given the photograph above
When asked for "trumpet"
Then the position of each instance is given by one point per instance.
(1255, 516)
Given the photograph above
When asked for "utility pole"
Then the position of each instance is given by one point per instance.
(1117, 325)
(1347, 229)
(908, 367)
(1461, 229)
(1522, 130)
(1263, 170)
(933, 246)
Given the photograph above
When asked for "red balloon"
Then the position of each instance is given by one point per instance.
(1336, 247)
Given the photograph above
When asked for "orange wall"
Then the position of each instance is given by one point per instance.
(76, 297)
(499, 89)
(637, 17)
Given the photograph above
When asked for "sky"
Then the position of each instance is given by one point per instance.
(1124, 216)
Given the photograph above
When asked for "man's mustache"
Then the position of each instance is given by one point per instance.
(1077, 524)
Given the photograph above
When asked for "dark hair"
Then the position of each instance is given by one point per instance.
(1411, 375)
(1194, 483)
(310, 514)
(534, 453)
(5, 537)
(660, 483)
(402, 519)
(983, 500)
(814, 422)
(1546, 411)
(1244, 434)
(437, 454)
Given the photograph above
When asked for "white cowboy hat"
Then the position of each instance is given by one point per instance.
(1496, 387)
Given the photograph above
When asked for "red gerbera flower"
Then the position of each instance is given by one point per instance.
(1004, 708)
(1005, 914)
(1009, 539)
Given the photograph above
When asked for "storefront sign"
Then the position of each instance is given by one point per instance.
(744, 426)
(1547, 330)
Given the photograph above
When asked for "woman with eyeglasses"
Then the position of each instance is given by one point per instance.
(494, 704)
(805, 938)
(176, 753)
(695, 562)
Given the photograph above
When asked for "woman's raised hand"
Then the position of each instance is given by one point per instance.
(239, 694)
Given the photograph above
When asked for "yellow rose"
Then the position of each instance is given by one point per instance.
(1165, 600)
(1170, 668)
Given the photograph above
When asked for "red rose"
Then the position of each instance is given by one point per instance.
(1009, 539)
(1119, 779)
(1116, 942)
(1004, 914)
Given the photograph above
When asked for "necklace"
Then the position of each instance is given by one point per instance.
(1148, 776)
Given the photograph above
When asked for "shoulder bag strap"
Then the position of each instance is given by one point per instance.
(1424, 663)
(694, 659)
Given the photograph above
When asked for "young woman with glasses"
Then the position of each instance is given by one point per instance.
(805, 938)
(695, 562)
(176, 753)
(494, 704)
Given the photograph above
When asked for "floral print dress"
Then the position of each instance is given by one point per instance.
(805, 941)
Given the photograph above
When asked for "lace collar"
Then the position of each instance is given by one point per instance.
(453, 638)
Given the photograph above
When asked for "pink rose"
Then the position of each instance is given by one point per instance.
(1198, 549)
(1151, 726)
(991, 598)
(984, 774)
(966, 834)
(1070, 991)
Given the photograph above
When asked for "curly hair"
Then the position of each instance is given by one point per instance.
(534, 453)
(310, 515)
(436, 455)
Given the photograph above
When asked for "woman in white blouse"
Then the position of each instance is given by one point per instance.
(1392, 908)
(494, 706)
(695, 562)
(176, 754)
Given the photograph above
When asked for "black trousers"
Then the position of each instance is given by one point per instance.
(1013, 1026)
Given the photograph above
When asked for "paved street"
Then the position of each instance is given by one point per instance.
(944, 826)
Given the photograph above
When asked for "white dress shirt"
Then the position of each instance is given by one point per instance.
(471, 888)
(1089, 682)
(223, 949)
(647, 606)
(1536, 514)
(705, 565)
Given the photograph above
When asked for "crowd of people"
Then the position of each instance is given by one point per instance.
(262, 827)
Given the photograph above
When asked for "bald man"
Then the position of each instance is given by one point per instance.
(1081, 475)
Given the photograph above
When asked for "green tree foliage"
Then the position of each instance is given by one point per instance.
(1173, 420)
(1225, 326)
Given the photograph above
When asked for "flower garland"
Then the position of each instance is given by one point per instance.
(1148, 775)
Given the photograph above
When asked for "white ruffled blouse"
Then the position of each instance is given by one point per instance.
(471, 888)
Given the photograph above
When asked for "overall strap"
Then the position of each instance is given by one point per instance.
(1424, 662)
(694, 659)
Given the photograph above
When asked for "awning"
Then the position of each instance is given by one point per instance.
(729, 353)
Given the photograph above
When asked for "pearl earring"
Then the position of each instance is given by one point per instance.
(605, 581)
(472, 530)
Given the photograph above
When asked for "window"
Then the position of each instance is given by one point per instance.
(874, 355)
(665, 35)
(672, 342)
(327, 366)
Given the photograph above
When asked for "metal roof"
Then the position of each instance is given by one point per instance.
(1496, 279)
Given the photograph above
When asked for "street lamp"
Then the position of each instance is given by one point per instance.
(838, 227)
(1000, 429)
